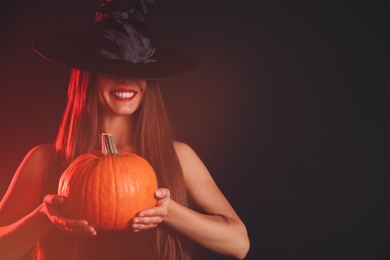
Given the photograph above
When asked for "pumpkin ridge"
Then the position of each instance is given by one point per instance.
(124, 186)
(99, 206)
(83, 185)
(114, 182)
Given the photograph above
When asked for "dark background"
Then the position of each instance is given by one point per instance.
(287, 108)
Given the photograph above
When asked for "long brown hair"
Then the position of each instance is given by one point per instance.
(79, 134)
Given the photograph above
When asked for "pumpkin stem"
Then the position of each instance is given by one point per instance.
(108, 145)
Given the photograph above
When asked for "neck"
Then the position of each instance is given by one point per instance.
(122, 128)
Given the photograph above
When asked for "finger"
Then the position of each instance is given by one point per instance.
(76, 228)
(156, 211)
(69, 224)
(53, 199)
(147, 220)
(162, 193)
(85, 231)
(140, 227)
(90, 231)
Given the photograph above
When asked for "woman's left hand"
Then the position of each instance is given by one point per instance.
(150, 218)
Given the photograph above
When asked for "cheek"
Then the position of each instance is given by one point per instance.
(141, 97)
(102, 99)
(142, 85)
(141, 94)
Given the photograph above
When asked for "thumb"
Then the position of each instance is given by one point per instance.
(162, 193)
(53, 199)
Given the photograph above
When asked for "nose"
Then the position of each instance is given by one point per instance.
(124, 81)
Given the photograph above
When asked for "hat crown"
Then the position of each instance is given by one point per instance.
(119, 31)
(122, 9)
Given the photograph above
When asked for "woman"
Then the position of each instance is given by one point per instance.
(113, 88)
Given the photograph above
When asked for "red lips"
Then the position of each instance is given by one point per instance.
(123, 94)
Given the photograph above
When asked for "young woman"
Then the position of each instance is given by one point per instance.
(120, 96)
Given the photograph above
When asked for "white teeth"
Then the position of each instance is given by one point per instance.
(123, 94)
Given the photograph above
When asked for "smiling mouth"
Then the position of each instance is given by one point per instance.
(123, 95)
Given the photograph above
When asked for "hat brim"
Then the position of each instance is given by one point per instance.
(66, 49)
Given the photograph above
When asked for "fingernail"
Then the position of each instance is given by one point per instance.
(158, 192)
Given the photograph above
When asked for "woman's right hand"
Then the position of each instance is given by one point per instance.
(51, 207)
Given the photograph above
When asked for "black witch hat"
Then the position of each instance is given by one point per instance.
(117, 42)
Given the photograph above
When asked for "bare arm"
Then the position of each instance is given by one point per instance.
(24, 218)
(219, 228)
(216, 227)
(19, 237)
(21, 220)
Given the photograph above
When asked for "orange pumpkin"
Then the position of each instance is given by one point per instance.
(107, 188)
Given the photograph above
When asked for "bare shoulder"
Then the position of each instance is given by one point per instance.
(41, 151)
(183, 149)
(197, 178)
(190, 162)
(36, 162)
(187, 156)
